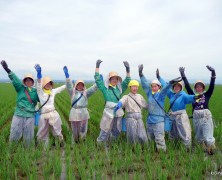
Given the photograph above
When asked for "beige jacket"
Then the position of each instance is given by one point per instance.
(131, 106)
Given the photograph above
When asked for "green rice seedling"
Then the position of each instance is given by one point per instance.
(86, 160)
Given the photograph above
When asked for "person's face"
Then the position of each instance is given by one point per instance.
(114, 80)
(155, 87)
(48, 86)
(28, 82)
(199, 88)
(80, 86)
(177, 88)
(134, 89)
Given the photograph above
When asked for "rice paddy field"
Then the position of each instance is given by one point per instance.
(87, 160)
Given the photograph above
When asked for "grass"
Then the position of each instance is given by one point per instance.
(87, 160)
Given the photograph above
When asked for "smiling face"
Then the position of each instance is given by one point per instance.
(28, 82)
(80, 86)
(48, 86)
(177, 88)
(155, 87)
(199, 88)
(113, 80)
(134, 89)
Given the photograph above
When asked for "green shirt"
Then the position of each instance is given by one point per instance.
(24, 107)
(108, 93)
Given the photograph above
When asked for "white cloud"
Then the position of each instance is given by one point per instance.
(163, 34)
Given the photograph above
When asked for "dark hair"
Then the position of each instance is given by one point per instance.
(199, 83)
(29, 78)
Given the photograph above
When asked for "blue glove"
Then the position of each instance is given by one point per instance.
(101, 77)
(65, 69)
(119, 105)
(39, 71)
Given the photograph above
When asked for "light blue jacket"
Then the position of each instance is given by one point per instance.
(156, 113)
(181, 102)
(182, 98)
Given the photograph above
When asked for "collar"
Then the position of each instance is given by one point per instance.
(155, 92)
(112, 86)
(47, 91)
(131, 94)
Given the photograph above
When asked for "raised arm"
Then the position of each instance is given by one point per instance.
(98, 79)
(163, 83)
(212, 81)
(144, 82)
(69, 84)
(126, 64)
(166, 89)
(128, 78)
(90, 91)
(39, 77)
(187, 85)
(59, 89)
(17, 83)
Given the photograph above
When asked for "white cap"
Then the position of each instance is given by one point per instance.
(155, 81)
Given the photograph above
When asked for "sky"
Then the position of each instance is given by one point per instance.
(162, 34)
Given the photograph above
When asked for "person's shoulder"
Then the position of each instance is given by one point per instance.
(139, 95)
(125, 96)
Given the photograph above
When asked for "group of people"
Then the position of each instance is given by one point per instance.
(175, 121)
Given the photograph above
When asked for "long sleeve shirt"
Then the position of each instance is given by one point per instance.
(156, 113)
(83, 102)
(111, 94)
(24, 107)
(49, 106)
(203, 101)
(130, 105)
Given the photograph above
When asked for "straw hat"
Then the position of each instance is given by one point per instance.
(180, 83)
(28, 76)
(114, 74)
(46, 80)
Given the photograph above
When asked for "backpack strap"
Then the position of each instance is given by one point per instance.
(77, 100)
(114, 93)
(159, 104)
(171, 105)
(30, 100)
(28, 96)
(135, 101)
(43, 104)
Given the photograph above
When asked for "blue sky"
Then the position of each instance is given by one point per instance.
(158, 34)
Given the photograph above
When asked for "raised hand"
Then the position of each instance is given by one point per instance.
(126, 64)
(5, 66)
(182, 71)
(210, 68)
(213, 73)
(157, 74)
(65, 69)
(39, 71)
(175, 80)
(140, 68)
(98, 62)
